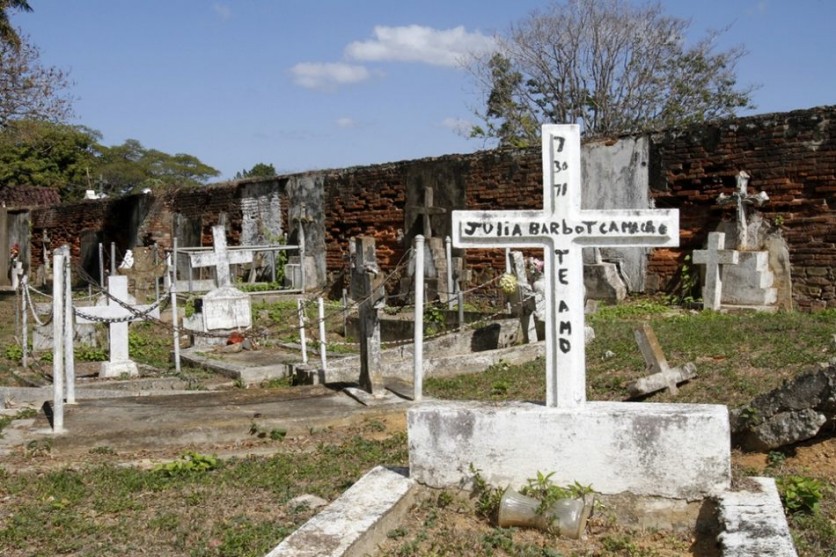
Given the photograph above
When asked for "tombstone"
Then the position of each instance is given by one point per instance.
(676, 451)
(523, 300)
(661, 374)
(751, 282)
(118, 312)
(713, 257)
(435, 257)
(367, 289)
(602, 279)
(224, 309)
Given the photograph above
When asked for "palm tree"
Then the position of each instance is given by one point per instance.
(8, 34)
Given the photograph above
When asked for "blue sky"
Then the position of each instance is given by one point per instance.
(317, 84)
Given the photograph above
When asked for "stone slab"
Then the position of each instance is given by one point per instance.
(226, 308)
(356, 522)
(750, 282)
(680, 451)
(754, 524)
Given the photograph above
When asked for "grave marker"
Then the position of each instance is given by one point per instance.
(427, 210)
(366, 287)
(741, 199)
(562, 229)
(662, 375)
(713, 257)
(117, 316)
(220, 257)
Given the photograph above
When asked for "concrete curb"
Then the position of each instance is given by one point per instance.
(754, 524)
(356, 522)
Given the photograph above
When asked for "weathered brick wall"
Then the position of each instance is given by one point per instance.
(791, 156)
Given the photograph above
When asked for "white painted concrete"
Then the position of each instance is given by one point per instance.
(667, 450)
(562, 229)
(754, 524)
(356, 522)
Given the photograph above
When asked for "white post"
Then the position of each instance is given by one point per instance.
(175, 319)
(418, 351)
(69, 329)
(101, 266)
(57, 344)
(508, 272)
(24, 285)
(300, 309)
(322, 339)
(448, 245)
(112, 258)
(302, 265)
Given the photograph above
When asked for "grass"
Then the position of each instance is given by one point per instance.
(225, 508)
(239, 506)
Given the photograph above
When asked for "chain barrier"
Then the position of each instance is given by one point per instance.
(31, 305)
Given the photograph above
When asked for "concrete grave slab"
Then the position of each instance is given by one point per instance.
(668, 450)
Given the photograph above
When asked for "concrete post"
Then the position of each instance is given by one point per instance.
(418, 350)
(69, 329)
(322, 340)
(300, 310)
(448, 245)
(24, 284)
(58, 344)
(175, 320)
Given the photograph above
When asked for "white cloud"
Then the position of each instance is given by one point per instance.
(346, 122)
(416, 43)
(222, 10)
(457, 125)
(320, 75)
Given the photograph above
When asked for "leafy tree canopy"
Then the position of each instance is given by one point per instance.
(609, 65)
(8, 34)
(70, 158)
(260, 170)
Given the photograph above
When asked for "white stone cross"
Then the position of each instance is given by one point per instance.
(562, 228)
(712, 258)
(220, 257)
(742, 198)
(117, 317)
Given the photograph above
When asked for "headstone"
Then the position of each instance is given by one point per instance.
(742, 200)
(225, 308)
(435, 259)
(562, 229)
(427, 210)
(713, 257)
(678, 451)
(220, 257)
(367, 288)
(118, 312)
(661, 374)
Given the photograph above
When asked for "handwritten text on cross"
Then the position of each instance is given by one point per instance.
(562, 228)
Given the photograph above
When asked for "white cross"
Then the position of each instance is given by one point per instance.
(562, 228)
(221, 258)
(712, 258)
(119, 361)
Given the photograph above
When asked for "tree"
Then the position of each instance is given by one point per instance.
(130, 167)
(608, 65)
(71, 159)
(8, 34)
(29, 90)
(260, 170)
(38, 153)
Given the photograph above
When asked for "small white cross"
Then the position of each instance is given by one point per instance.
(712, 258)
(562, 228)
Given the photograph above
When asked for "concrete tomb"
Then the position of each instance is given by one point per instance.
(751, 282)
(118, 312)
(225, 308)
(713, 257)
(668, 450)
